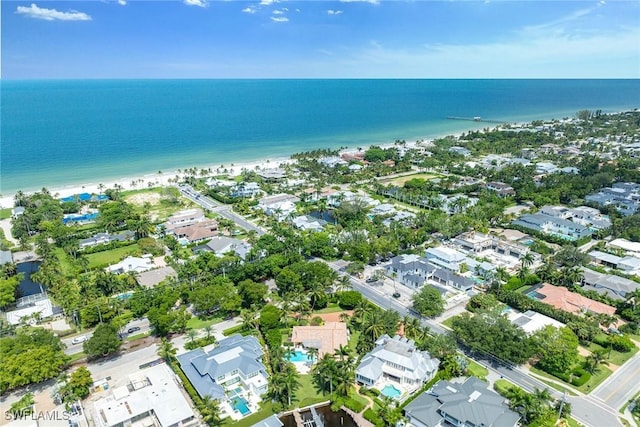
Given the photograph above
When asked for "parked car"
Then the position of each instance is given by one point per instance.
(78, 340)
(133, 329)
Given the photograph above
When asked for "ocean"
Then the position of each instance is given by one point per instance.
(62, 132)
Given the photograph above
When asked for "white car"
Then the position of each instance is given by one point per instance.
(78, 340)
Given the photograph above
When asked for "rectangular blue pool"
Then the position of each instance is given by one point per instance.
(300, 356)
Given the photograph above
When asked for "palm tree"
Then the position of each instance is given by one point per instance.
(596, 358)
(210, 411)
(208, 330)
(374, 325)
(412, 327)
(324, 372)
(312, 353)
(167, 351)
(343, 284)
(290, 381)
(191, 334)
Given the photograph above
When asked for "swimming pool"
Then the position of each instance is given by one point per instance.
(300, 356)
(240, 404)
(390, 391)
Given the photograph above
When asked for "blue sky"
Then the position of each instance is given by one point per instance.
(316, 39)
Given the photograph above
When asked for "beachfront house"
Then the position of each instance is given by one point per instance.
(17, 211)
(152, 397)
(397, 362)
(231, 373)
(468, 404)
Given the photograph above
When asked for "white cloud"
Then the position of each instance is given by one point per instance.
(278, 12)
(268, 2)
(122, 2)
(361, 1)
(250, 9)
(333, 12)
(280, 19)
(199, 3)
(51, 14)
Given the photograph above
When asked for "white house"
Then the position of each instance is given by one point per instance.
(152, 397)
(398, 362)
(132, 264)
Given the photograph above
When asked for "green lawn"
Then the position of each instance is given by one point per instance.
(331, 308)
(5, 213)
(265, 412)
(477, 370)
(307, 394)
(551, 383)
(198, 323)
(112, 256)
(600, 375)
(447, 322)
(3, 241)
(616, 357)
(353, 340)
(76, 356)
(137, 336)
(65, 261)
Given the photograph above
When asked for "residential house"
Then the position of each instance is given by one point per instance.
(383, 209)
(468, 404)
(551, 225)
(500, 188)
(531, 321)
(279, 205)
(332, 161)
(17, 211)
(151, 278)
(625, 196)
(245, 189)
(456, 203)
(445, 257)
(197, 232)
(183, 218)
(272, 421)
(220, 245)
(336, 199)
(272, 175)
(460, 151)
(556, 211)
(132, 265)
(309, 223)
(628, 264)
(411, 270)
(446, 277)
(590, 217)
(152, 397)
(106, 238)
(326, 338)
(230, 371)
(563, 299)
(26, 308)
(611, 285)
(631, 248)
(396, 361)
(82, 218)
(400, 216)
(545, 168)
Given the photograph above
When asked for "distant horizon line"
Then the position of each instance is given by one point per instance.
(311, 78)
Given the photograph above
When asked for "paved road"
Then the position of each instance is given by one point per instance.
(586, 409)
(224, 211)
(621, 386)
(72, 348)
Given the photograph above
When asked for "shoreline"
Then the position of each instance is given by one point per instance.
(164, 178)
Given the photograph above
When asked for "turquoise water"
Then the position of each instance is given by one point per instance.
(58, 132)
(300, 356)
(240, 403)
(390, 391)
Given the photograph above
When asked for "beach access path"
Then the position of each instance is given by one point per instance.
(5, 224)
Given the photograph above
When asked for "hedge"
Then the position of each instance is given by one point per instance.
(618, 343)
(233, 330)
(354, 405)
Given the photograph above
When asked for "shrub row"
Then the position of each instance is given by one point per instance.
(200, 342)
(618, 343)
(371, 416)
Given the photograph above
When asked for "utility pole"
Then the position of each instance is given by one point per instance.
(564, 397)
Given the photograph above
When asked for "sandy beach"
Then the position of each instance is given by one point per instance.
(169, 178)
(143, 181)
